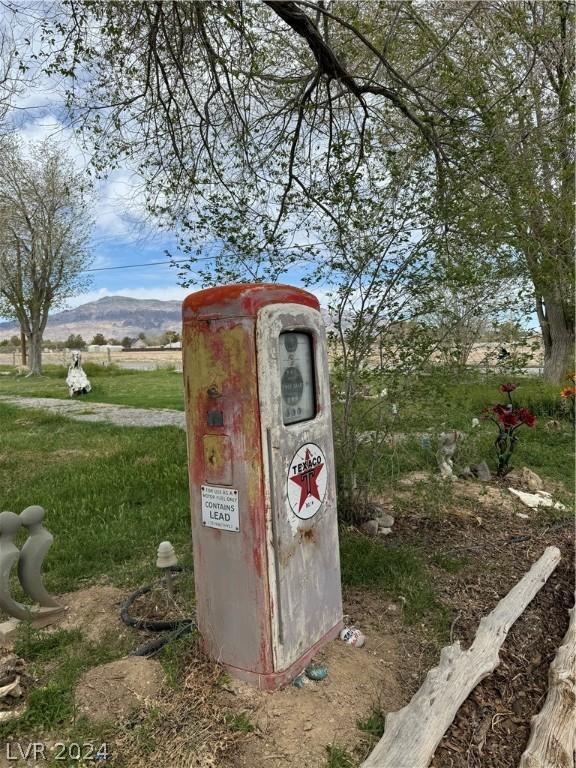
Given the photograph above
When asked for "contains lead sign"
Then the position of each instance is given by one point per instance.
(220, 508)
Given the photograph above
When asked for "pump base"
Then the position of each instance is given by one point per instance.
(273, 681)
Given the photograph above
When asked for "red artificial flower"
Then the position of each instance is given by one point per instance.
(508, 387)
(526, 417)
(499, 409)
(568, 392)
(508, 419)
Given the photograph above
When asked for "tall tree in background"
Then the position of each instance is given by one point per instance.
(44, 232)
(239, 100)
(514, 189)
(8, 73)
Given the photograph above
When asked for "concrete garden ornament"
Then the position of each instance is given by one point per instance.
(448, 444)
(77, 381)
(29, 559)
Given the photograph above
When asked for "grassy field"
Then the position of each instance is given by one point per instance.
(145, 389)
(430, 405)
(113, 494)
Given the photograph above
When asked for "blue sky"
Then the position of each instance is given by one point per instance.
(122, 235)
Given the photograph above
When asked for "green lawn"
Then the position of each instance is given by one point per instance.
(145, 389)
(110, 494)
(430, 405)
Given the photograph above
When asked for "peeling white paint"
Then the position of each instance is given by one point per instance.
(303, 556)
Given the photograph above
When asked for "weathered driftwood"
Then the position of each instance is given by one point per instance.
(553, 738)
(413, 733)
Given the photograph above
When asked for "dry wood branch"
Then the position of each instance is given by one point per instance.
(553, 737)
(413, 733)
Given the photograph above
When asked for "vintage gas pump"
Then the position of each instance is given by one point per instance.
(262, 479)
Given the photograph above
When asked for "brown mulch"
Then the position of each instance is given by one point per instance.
(492, 727)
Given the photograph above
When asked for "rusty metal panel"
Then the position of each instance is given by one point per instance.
(217, 458)
(231, 570)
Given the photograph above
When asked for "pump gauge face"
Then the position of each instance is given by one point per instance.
(297, 377)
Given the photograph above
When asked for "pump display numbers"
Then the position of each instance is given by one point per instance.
(307, 480)
(220, 508)
(297, 377)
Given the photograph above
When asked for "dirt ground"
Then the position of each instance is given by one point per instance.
(492, 727)
(95, 611)
(115, 690)
(294, 726)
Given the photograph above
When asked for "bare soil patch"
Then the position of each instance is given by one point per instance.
(95, 611)
(113, 691)
(294, 726)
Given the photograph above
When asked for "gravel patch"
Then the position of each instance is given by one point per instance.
(120, 415)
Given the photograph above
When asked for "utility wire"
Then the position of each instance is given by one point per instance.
(148, 264)
(172, 261)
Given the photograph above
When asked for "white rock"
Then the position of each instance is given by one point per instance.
(535, 500)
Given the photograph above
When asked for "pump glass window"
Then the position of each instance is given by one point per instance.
(297, 377)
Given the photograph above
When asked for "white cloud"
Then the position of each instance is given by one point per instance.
(48, 126)
(119, 208)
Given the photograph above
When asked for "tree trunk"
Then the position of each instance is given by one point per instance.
(34, 353)
(559, 353)
(558, 336)
(23, 347)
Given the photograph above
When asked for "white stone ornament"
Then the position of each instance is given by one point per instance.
(166, 557)
(77, 381)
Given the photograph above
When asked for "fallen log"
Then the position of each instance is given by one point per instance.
(553, 737)
(412, 734)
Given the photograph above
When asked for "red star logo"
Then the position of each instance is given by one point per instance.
(307, 481)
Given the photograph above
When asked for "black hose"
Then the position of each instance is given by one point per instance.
(176, 626)
(155, 645)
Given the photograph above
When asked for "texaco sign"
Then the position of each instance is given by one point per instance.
(307, 480)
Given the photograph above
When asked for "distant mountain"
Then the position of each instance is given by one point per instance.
(113, 316)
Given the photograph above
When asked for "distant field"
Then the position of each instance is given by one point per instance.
(163, 359)
(145, 389)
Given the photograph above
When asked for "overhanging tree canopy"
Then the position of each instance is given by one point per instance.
(241, 104)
